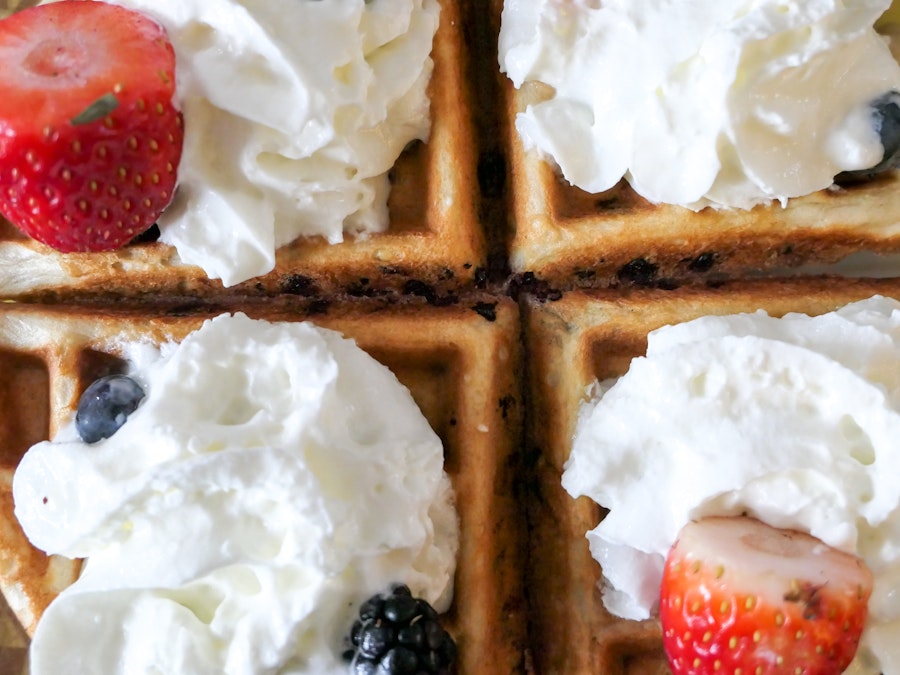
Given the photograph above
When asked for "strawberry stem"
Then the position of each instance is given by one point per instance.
(96, 110)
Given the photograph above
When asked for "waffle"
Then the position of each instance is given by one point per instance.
(458, 362)
(568, 238)
(434, 237)
(591, 335)
(473, 218)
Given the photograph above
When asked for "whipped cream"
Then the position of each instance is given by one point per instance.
(294, 112)
(274, 477)
(794, 421)
(722, 103)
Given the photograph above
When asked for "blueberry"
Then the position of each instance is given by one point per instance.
(887, 115)
(105, 405)
(886, 121)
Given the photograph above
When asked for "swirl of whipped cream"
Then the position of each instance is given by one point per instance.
(273, 478)
(718, 102)
(294, 112)
(794, 421)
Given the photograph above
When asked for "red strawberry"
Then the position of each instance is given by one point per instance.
(739, 596)
(90, 138)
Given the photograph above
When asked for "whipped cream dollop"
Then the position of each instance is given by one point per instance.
(725, 103)
(273, 478)
(294, 112)
(794, 421)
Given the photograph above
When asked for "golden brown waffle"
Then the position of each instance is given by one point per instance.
(459, 363)
(571, 343)
(571, 238)
(434, 237)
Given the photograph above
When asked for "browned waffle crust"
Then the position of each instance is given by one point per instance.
(434, 237)
(571, 343)
(568, 237)
(459, 363)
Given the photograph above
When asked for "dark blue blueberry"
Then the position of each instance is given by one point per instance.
(886, 121)
(105, 405)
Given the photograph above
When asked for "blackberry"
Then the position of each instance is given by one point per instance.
(397, 634)
(105, 405)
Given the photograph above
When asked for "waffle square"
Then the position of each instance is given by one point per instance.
(460, 364)
(434, 236)
(571, 238)
(589, 336)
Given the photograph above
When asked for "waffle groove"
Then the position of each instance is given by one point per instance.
(589, 336)
(457, 364)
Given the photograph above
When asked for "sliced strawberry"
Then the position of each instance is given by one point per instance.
(90, 137)
(738, 596)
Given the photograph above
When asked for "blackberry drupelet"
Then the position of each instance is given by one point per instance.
(397, 634)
